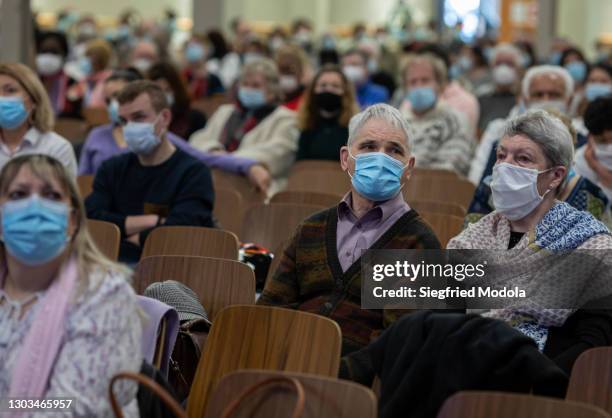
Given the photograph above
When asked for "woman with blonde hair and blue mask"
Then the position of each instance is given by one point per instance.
(27, 118)
(441, 137)
(69, 319)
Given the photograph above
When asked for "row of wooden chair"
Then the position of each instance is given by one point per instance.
(270, 226)
(276, 339)
(222, 284)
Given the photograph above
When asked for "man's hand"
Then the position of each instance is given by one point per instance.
(134, 239)
(603, 174)
(259, 177)
(139, 223)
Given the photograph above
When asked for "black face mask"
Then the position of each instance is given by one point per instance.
(330, 102)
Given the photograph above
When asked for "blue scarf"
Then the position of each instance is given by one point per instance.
(565, 228)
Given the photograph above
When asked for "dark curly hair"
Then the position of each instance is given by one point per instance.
(598, 115)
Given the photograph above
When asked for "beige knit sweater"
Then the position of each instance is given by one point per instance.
(273, 142)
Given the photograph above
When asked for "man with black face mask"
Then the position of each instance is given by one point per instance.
(323, 118)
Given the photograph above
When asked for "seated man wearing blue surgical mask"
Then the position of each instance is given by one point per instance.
(327, 248)
(154, 184)
(441, 139)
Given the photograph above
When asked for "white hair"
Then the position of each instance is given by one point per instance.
(555, 70)
(382, 112)
(506, 48)
(548, 132)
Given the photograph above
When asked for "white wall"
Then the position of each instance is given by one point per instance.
(583, 21)
(147, 8)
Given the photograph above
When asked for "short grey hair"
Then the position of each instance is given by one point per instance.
(383, 112)
(548, 132)
(556, 70)
(508, 49)
(267, 68)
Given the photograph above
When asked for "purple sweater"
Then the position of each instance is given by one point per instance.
(100, 146)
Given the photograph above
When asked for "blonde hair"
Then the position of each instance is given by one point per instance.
(267, 68)
(100, 52)
(42, 116)
(438, 66)
(90, 259)
(293, 55)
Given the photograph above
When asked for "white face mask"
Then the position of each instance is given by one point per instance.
(288, 83)
(558, 105)
(355, 73)
(603, 153)
(504, 75)
(49, 64)
(515, 190)
(142, 64)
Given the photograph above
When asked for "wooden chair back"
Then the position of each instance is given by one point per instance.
(324, 396)
(433, 206)
(74, 130)
(229, 209)
(107, 237)
(240, 184)
(96, 116)
(445, 226)
(264, 337)
(191, 240)
(591, 378)
(272, 224)
(322, 181)
(511, 405)
(307, 198)
(217, 282)
(316, 165)
(435, 172)
(85, 185)
(209, 105)
(442, 189)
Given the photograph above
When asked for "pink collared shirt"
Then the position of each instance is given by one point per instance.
(355, 235)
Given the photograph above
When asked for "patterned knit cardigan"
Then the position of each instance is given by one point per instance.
(310, 278)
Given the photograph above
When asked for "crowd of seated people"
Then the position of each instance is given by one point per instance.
(533, 139)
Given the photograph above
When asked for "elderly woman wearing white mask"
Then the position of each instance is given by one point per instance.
(533, 161)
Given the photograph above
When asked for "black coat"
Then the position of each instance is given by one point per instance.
(425, 357)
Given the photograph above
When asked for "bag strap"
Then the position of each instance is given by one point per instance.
(295, 384)
(150, 384)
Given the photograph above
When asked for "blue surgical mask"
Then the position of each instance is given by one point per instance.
(12, 112)
(596, 90)
(578, 70)
(194, 53)
(377, 176)
(85, 66)
(251, 98)
(113, 111)
(422, 98)
(328, 42)
(34, 230)
(454, 72)
(140, 137)
(465, 63)
(555, 58)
